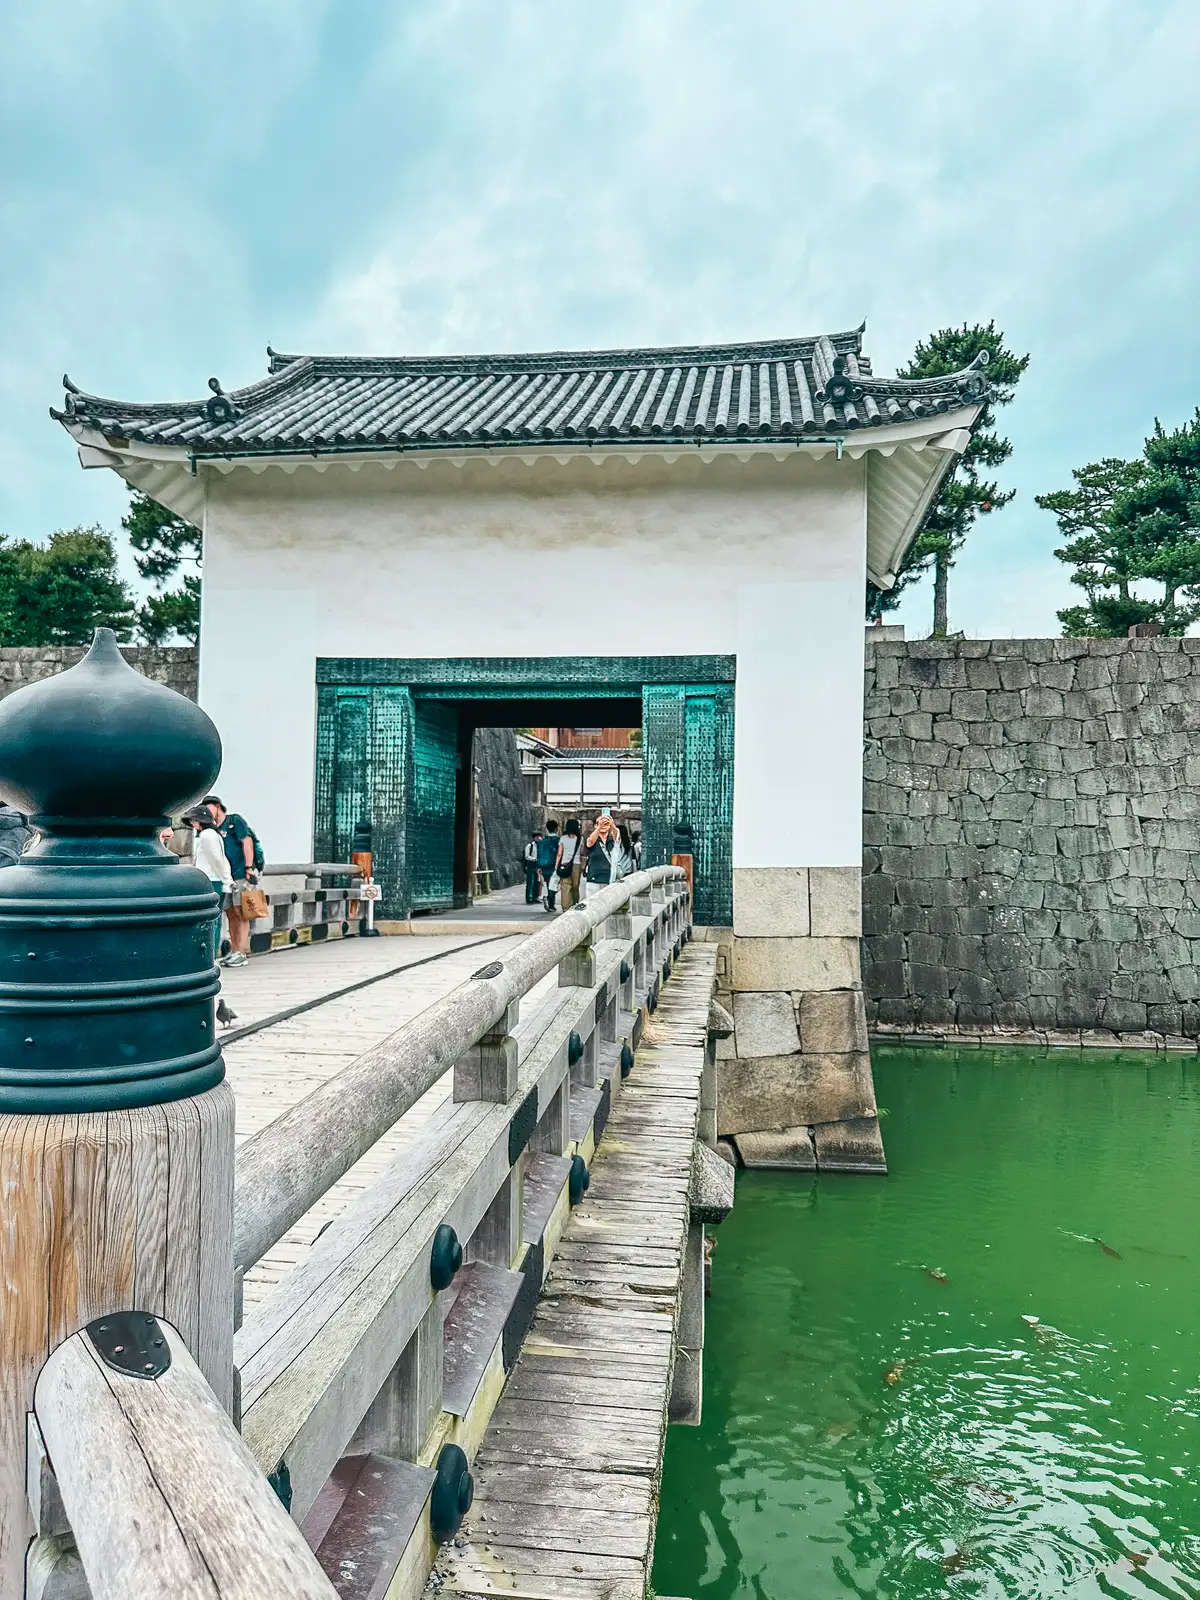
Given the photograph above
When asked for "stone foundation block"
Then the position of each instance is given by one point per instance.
(788, 1148)
(835, 902)
(832, 1021)
(852, 1145)
(770, 902)
(795, 963)
(789, 1091)
(766, 1025)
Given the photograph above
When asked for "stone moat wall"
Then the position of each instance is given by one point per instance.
(1032, 837)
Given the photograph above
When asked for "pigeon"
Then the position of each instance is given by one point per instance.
(225, 1013)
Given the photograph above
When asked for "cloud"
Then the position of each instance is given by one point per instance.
(456, 175)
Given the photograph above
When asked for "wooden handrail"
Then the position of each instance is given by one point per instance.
(164, 1500)
(318, 1350)
(285, 1169)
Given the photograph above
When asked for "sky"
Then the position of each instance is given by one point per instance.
(183, 185)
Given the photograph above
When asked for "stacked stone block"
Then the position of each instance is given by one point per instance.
(174, 665)
(795, 1085)
(1032, 837)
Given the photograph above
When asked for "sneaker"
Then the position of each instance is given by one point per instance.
(237, 959)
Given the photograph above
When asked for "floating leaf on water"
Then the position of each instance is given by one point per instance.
(1030, 1322)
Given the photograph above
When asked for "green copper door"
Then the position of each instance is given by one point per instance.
(431, 813)
(388, 749)
(687, 788)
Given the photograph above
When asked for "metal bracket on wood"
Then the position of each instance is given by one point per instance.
(131, 1342)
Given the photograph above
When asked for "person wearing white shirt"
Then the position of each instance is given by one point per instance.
(208, 855)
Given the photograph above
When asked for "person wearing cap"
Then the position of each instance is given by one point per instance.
(239, 841)
(208, 855)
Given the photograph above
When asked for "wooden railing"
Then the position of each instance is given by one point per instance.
(162, 1497)
(390, 1340)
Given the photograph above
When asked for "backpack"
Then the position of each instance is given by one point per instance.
(260, 860)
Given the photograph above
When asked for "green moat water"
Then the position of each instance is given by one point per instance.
(871, 1430)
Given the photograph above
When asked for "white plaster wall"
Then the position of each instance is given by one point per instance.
(797, 772)
(762, 558)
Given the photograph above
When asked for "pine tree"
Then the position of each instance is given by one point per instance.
(1134, 522)
(964, 493)
(1095, 550)
(164, 542)
(60, 592)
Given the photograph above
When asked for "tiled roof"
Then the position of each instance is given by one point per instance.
(818, 386)
(573, 755)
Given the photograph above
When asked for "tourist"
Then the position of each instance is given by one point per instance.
(208, 849)
(208, 857)
(547, 856)
(15, 834)
(623, 857)
(570, 864)
(602, 845)
(244, 854)
(531, 870)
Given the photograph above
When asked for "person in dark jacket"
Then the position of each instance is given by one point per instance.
(547, 856)
(531, 870)
(15, 834)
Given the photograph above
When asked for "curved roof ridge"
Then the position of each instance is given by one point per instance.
(539, 360)
(81, 401)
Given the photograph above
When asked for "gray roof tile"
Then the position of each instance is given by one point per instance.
(780, 388)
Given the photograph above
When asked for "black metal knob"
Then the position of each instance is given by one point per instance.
(452, 1493)
(626, 1060)
(445, 1258)
(580, 1180)
(574, 1049)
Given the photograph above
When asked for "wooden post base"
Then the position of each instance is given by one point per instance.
(108, 1211)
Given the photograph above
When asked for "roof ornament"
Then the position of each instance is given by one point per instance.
(76, 404)
(841, 387)
(220, 408)
(973, 384)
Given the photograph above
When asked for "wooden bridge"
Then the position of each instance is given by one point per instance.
(466, 1272)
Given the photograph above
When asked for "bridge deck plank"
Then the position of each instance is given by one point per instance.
(567, 1476)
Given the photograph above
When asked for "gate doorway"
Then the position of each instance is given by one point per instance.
(394, 745)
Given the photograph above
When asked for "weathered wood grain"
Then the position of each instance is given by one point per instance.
(88, 1225)
(164, 1499)
(314, 1356)
(285, 1167)
(567, 1477)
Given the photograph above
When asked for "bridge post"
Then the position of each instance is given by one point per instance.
(116, 1125)
(577, 969)
(488, 1071)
